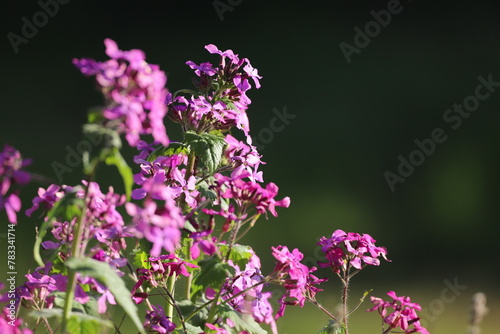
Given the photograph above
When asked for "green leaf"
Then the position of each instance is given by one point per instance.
(94, 115)
(187, 307)
(205, 191)
(141, 259)
(332, 327)
(208, 147)
(78, 323)
(190, 330)
(104, 273)
(115, 158)
(213, 272)
(173, 148)
(101, 138)
(240, 254)
(242, 322)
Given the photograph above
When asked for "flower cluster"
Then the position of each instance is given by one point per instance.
(296, 277)
(244, 293)
(134, 91)
(157, 321)
(11, 173)
(403, 315)
(186, 215)
(247, 194)
(344, 250)
(10, 324)
(160, 268)
(222, 101)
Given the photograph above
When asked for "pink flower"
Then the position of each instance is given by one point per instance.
(295, 277)
(157, 321)
(47, 197)
(343, 250)
(134, 90)
(11, 164)
(403, 316)
(160, 224)
(11, 324)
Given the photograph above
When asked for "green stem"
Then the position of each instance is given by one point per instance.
(169, 309)
(232, 240)
(345, 292)
(190, 277)
(75, 252)
(318, 305)
(211, 314)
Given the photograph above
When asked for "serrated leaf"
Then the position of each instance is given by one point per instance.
(141, 259)
(242, 322)
(240, 254)
(171, 149)
(104, 273)
(115, 158)
(190, 330)
(206, 192)
(213, 272)
(208, 147)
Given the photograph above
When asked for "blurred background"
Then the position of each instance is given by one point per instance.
(350, 118)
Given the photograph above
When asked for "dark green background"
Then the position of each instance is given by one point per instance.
(352, 120)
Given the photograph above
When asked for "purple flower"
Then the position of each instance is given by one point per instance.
(47, 197)
(170, 264)
(134, 90)
(254, 301)
(403, 316)
(205, 68)
(201, 242)
(186, 187)
(248, 192)
(245, 159)
(157, 321)
(11, 324)
(295, 277)
(11, 164)
(159, 224)
(12, 205)
(344, 250)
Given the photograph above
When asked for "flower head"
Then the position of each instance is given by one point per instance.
(157, 321)
(134, 91)
(343, 250)
(11, 164)
(403, 315)
(295, 277)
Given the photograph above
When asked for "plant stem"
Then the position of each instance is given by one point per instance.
(345, 292)
(315, 302)
(169, 309)
(189, 172)
(190, 277)
(75, 252)
(211, 314)
(226, 300)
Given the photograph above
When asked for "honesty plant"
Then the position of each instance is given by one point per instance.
(168, 251)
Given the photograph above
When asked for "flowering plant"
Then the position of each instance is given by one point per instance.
(167, 251)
